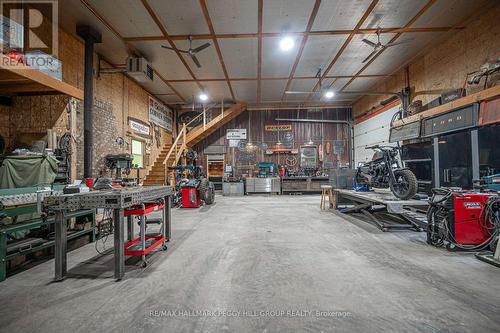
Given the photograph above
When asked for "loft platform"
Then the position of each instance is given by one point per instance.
(19, 79)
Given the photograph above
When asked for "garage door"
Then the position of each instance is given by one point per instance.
(373, 131)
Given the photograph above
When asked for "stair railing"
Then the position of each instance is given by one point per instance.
(177, 148)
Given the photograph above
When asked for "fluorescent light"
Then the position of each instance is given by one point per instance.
(203, 97)
(287, 43)
(329, 94)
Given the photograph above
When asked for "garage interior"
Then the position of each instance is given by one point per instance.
(250, 165)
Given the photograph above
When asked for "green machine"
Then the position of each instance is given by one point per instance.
(25, 230)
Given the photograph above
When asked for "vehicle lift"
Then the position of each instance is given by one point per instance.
(491, 258)
(411, 214)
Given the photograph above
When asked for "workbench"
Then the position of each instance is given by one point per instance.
(303, 184)
(116, 199)
(20, 213)
(37, 223)
(374, 204)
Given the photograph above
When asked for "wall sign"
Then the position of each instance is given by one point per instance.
(138, 127)
(160, 114)
(234, 143)
(338, 147)
(278, 127)
(187, 116)
(236, 134)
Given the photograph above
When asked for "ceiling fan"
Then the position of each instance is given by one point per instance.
(191, 52)
(379, 46)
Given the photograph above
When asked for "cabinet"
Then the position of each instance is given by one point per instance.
(263, 185)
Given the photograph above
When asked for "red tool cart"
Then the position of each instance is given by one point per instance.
(144, 244)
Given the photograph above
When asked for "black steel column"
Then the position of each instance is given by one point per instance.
(61, 241)
(90, 36)
(119, 243)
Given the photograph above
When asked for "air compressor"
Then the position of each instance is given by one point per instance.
(462, 220)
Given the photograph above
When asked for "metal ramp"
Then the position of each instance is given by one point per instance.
(381, 208)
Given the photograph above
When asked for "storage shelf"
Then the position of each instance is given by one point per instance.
(482, 95)
(18, 79)
(132, 247)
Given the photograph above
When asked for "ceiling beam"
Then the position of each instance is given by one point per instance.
(259, 49)
(216, 44)
(347, 41)
(310, 23)
(275, 78)
(299, 33)
(410, 22)
(297, 107)
(117, 34)
(169, 85)
(303, 101)
(156, 19)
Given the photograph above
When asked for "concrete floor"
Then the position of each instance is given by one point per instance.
(281, 262)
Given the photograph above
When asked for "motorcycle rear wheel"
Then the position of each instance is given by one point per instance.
(405, 187)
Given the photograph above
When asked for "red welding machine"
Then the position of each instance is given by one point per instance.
(463, 220)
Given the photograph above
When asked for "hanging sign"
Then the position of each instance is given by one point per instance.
(278, 127)
(160, 114)
(139, 127)
(236, 134)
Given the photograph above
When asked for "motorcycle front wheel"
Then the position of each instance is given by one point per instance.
(405, 186)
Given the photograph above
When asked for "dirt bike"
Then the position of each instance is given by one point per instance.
(384, 171)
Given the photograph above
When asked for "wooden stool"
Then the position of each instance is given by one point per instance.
(327, 190)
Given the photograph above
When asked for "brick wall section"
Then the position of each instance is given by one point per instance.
(444, 64)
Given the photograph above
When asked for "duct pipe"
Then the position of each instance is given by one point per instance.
(90, 37)
(314, 121)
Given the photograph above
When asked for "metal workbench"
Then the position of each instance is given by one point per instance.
(374, 205)
(116, 199)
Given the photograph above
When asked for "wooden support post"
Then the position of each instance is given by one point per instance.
(204, 118)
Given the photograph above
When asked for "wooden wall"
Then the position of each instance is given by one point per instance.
(244, 161)
(445, 63)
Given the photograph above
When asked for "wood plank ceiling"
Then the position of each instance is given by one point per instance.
(244, 61)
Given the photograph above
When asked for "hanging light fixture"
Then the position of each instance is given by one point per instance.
(329, 94)
(287, 43)
(203, 97)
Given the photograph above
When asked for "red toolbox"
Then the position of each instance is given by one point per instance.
(144, 244)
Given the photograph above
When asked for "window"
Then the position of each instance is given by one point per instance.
(138, 154)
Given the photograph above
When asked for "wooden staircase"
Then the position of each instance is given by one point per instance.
(201, 132)
(171, 153)
(157, 173)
